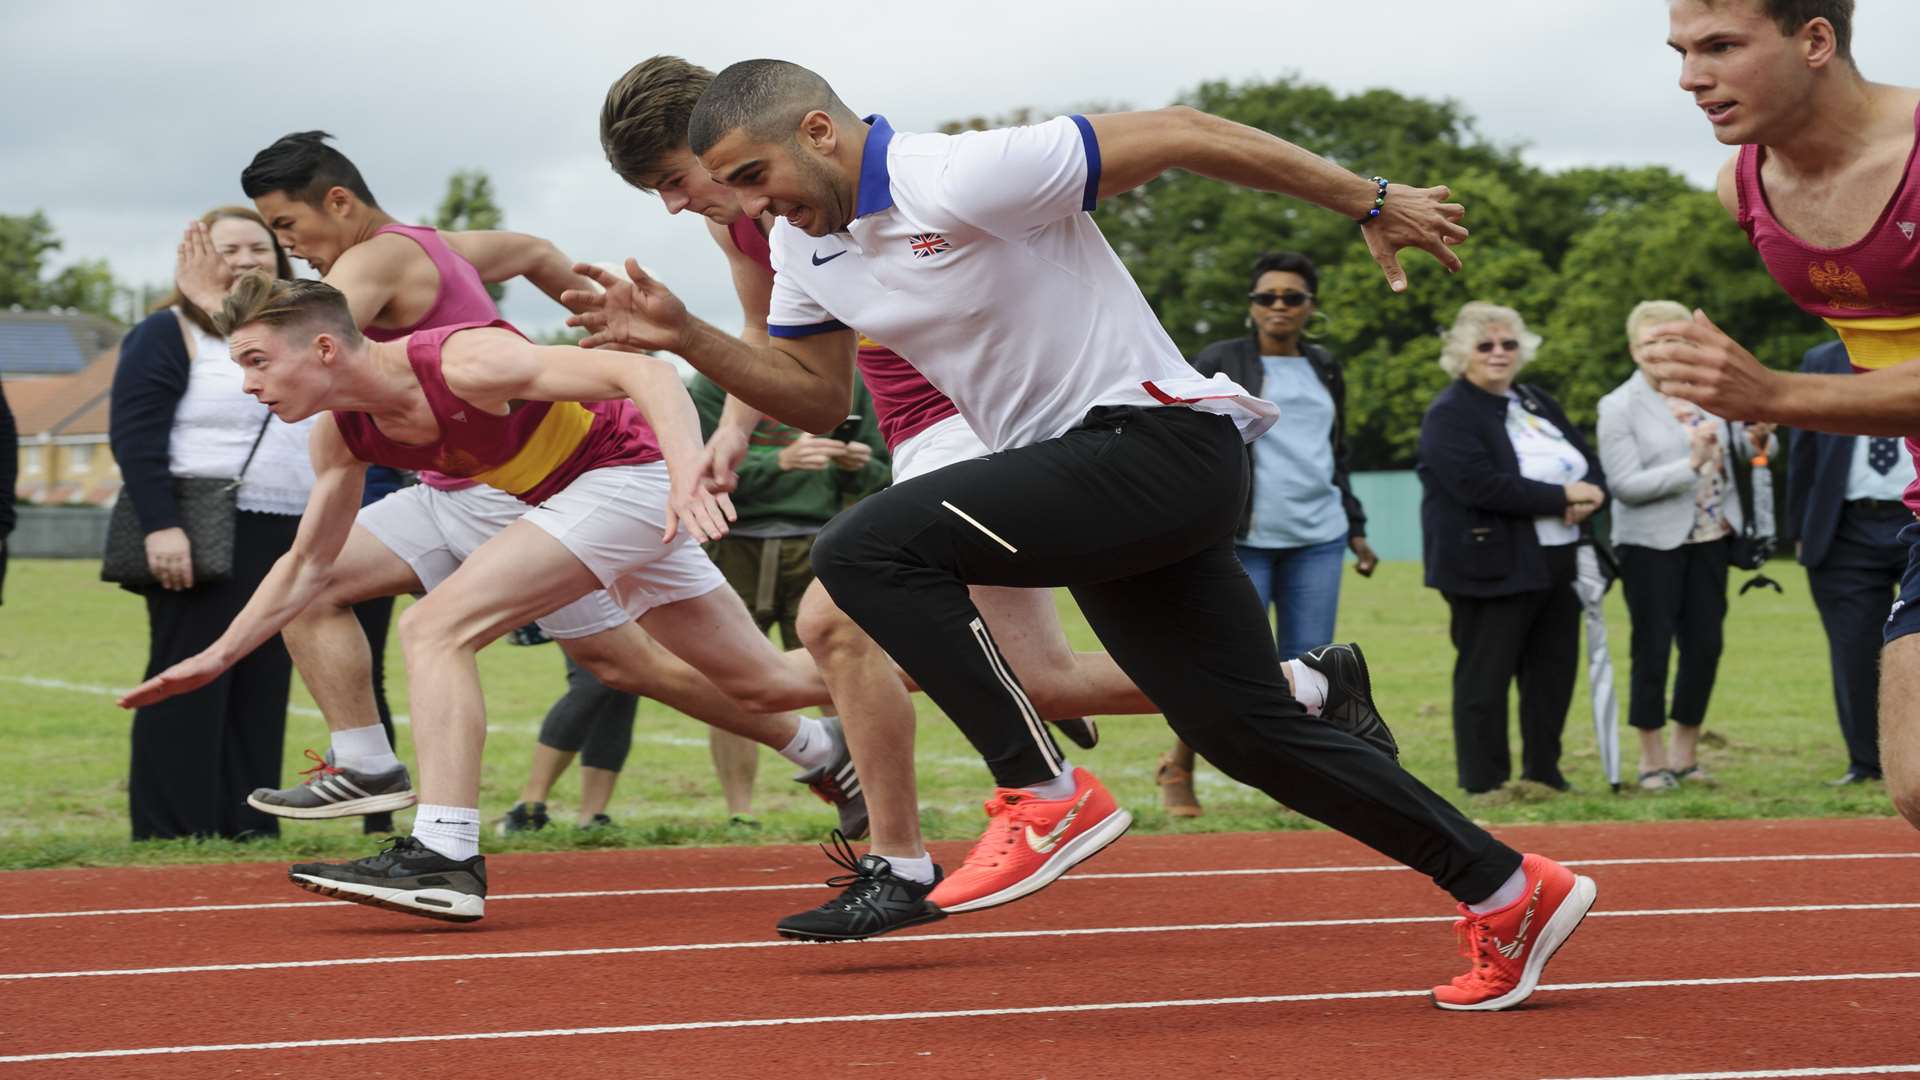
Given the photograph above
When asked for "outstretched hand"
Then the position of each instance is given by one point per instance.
(1415, 218)
(190, 674)
(636, 312)
(1696, 360)
(696, 507)
(720, 459)
(198, 270)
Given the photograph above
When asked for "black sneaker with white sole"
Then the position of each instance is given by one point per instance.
(1349, 704)
(837, 784)
(333, 792)
(873, 900)
(1081, 731)
(405, 876)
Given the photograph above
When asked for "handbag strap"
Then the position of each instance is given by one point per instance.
(1748, 529)
(252, 450)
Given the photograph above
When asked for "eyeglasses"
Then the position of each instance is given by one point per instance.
(1291, 298)
(1508, 344)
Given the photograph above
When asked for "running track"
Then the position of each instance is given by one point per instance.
(1736, 949)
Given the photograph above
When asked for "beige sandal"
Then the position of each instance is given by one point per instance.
(1176, 789)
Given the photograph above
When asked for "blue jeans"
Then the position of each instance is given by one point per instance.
(1302, 585)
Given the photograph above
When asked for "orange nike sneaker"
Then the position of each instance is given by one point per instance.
(1509, 948)
(1030, 841)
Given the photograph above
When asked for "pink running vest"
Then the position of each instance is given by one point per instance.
(906, 403)
(462, 299)
(1868, 291)
(533, 452)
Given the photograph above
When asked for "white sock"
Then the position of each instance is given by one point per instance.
(1505, 896)
(1057, 788)
(1309, 687)
(811, 747)
(915, 868)
(453, 831)
(364, 749)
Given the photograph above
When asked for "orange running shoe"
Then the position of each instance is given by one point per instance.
(1510, 947)
(1030, 841)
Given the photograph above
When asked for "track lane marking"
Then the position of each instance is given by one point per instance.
(1768, 1074)
(982, 935)
(1138, 875)
(945, 1014)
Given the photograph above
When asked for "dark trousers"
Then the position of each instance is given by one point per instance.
(1532, 637)
(1676, 597)
(591, 719)
(196, 757)
(1853, 587)
(1134, 511)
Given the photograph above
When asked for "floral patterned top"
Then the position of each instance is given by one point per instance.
(1710, 490)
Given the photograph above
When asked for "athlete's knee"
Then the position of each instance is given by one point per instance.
(823, 627)
(426, 626)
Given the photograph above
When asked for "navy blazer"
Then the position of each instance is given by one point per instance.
(1476, 510)
(1817, 467)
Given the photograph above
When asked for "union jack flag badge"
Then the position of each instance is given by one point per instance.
(927, 245)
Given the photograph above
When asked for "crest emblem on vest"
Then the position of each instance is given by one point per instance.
(1841, 285)
(927, 245)
(1906, 228)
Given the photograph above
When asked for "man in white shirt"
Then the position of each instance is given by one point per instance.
(1119, 472)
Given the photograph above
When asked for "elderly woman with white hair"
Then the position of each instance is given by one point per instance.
(1507, 480)
(1675, 514)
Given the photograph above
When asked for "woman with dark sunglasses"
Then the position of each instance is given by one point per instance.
(1301, 517)
(1507, 481)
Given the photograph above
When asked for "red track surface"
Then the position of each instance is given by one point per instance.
(1641, 931)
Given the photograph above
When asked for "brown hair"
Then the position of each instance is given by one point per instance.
(282, 266)
(645, 115)
(1791, 15)
(280, 303)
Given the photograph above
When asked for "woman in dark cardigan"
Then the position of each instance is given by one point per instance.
(178, 410)
(1507, 481)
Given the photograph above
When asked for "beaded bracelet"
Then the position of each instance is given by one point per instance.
(1379, 200)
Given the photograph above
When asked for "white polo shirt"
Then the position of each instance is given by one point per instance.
(974, 256)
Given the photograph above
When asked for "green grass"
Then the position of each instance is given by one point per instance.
(1775, 739)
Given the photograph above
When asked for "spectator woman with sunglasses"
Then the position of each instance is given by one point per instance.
(1507, 481)
(1301, 517)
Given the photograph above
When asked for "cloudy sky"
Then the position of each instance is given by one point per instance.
(124, 120)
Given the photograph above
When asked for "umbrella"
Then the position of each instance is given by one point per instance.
(1590, 584)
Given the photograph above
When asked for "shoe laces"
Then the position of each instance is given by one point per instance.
(322, 768)
(1006, 813)
(1475, 937)
(862, 882)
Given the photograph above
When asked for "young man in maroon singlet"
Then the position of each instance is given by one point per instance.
(1826, 184)
(616, 502)
(399, 279)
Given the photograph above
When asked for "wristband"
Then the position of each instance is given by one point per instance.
(1379, 200)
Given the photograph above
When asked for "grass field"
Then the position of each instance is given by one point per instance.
(66, 639)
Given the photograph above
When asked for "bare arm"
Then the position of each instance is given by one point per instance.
(501, 256)
(753, 284)
(296, 578)
(368, 278)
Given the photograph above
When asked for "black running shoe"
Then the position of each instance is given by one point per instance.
(406, 876)
(523, 817)
(1350, 695)
(873, 901)
(838, 785)
(1082, 731)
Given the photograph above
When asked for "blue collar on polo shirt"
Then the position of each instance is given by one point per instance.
(876, 191)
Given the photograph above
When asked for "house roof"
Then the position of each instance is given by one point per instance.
(73, 404)
(51, 342)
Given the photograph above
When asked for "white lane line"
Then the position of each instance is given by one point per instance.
(1140, 875)
(911, 939)
(1768, 1074)
(947, 1014)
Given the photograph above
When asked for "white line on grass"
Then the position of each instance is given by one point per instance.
(1139, 875)
(1770, 1074)
(908, 939)
(947, 1014)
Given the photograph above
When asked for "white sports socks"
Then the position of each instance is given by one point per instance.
(811, 747)
(1057, 788)
(1309, 687)
(364, 749)
(1505, 896)
(918, 868)
(453, 831)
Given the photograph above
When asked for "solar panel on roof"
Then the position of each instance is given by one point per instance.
(28, 348)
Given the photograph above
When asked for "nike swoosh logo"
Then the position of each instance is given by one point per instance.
(818, 261)
(1043, 844)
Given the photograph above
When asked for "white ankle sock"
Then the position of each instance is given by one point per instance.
(364, 749)
(1309, 687)
(1057, 788)
(912, 868)
(811, 747)
(1505, 896)
(453, 831)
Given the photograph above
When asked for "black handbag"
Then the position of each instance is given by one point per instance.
(1749, 550)
(206, 506)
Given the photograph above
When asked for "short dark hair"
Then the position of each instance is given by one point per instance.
(305, 167)
(645, 115)
(765, 97)
(1791, 15)
(1286, 262)
(257, 298)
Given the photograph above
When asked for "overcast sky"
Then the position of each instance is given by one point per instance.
(124, 120)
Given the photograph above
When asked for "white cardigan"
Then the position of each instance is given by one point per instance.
(1648, 461)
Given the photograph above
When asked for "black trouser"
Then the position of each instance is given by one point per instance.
(1674, 597)
(1853, 587)
(1134, 511)
(1533, 637)
(197, 757)
(591, 719)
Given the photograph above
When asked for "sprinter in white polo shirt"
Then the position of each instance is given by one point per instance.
(1118, 471)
